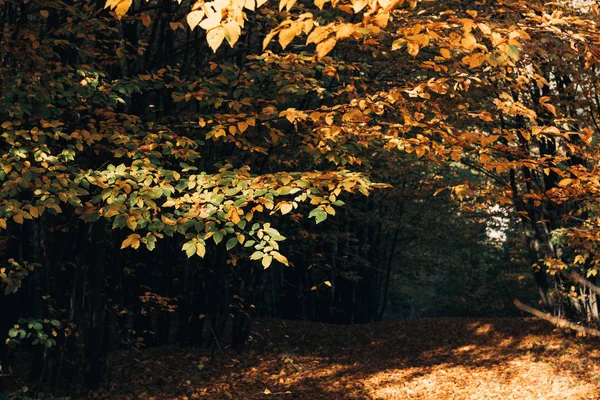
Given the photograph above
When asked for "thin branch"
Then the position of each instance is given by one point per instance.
(559, 322)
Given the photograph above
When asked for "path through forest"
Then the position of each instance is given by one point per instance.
(416, 359)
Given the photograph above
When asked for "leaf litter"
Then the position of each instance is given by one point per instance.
(441, 358)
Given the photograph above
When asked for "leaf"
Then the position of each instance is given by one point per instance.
(218, 237)
(344, 31)
(232, 32)
(286, 36)
(550, 108)
(18, 218)
(200, 249)
(168, 221)
(194, 18)
(231, 243)
(34, 212)
(317, 35)
(358, 5)
(266, 261)
(257, 255)
(215, 37)
(268, 38)
(281, 258)
(146, 20)
(327, 283)
(44, 13)
(286, 208)
(132, 241)
(460, 191)
(189, 248)
(398, 43)
(212, 21)
(120, 7)
(325, 47)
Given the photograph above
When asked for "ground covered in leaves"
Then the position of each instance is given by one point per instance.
(416, 359)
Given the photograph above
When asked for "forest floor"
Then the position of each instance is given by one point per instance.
(449, 358)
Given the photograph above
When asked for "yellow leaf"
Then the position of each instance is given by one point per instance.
(550, 108)
(194, 18)
(131, 223)
(358, 5)
(233, 215)
(460, 191)
(286, 36)
(250, 5)
(3, 223)
(325, 47)
(476, 60)
(232, 32)
(327, 283)
(34, 212)
(469, 42)
(289, 4)
(212, 21)
(484, 28)
(200, 249)
(565, 182)
(381, 20)
(44, 13)
(168, 221)
(317, 35)
(242, 126)
(120, 7)
(266, 261)
(286, 208)
(268, 39)
(18, 218)
(344, 31)
(281, 258)
(132, 241)
(445, 53)
(413, 48)
(146, 20)
(215, 37)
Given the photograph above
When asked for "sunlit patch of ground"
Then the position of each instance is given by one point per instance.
(417, 359)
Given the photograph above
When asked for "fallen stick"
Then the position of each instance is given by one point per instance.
(561, 323)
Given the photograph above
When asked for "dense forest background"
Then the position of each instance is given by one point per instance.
(437, 161)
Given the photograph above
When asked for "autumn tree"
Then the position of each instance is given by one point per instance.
(156, 156)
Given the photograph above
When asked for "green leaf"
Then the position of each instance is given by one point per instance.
(13, 332)
(257, 255)
(217, 237)
(231, 243)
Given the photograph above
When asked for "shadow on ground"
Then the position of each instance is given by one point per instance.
(452, 358)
